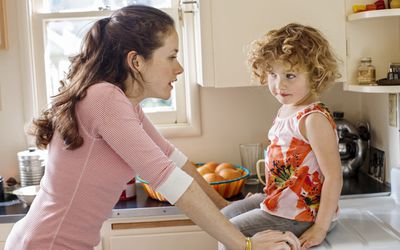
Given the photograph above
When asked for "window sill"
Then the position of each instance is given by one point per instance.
(180, 129)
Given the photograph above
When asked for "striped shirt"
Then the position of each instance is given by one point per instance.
(81, 186)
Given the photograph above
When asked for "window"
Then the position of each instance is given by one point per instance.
(57, 29)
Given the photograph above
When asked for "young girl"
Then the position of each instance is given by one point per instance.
(303, 170)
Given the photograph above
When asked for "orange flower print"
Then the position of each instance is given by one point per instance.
(320, 107)
(305, 215)
(289, 175)
(284, 171)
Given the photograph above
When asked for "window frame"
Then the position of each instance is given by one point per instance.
(187, 120)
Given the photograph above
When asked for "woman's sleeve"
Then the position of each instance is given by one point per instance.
(119, 125)
(173, 153)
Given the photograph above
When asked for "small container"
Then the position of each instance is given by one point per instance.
(366, 72)
(129, 192)
(394, 4)
(394, 71)
(1, 189)
(31, 166)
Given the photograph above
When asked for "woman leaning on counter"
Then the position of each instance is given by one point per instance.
(98, 137)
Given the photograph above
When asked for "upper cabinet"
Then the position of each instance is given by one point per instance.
(228, 28)
(374, 34)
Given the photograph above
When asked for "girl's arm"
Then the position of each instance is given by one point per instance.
(218, 200)
(322, 138)
(199, 208)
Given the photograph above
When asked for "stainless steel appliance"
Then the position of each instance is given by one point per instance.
(31, 166)
(353, 144)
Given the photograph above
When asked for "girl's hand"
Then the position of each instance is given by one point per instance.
(312, 237)
(274, 240)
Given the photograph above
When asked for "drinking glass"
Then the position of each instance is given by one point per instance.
(250, 153)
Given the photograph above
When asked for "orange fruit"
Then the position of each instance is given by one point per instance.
(211, 165)
(224, 165)
(212, 177)
(229, 173)
(204, 170)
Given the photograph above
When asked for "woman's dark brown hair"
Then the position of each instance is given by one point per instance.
(102, 58)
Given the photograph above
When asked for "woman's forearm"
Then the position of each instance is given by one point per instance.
(202, 211)
(218, 200)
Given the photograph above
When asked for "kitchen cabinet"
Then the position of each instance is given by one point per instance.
(228, 28)
(155, 233)
(374, 34)
(5, 229)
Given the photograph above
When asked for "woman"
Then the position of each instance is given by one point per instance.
(98, 137)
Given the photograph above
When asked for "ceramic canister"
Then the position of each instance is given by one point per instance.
(31, 166)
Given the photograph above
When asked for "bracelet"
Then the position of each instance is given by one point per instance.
(248, 243)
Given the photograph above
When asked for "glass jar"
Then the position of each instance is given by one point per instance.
(366, 71)
(394, 4)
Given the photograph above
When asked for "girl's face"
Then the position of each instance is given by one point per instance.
(162, 69)
(288, 86)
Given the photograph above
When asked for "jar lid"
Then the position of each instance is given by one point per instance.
(366, 59)
(31, 154)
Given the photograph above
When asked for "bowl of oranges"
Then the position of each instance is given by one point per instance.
(226, 178)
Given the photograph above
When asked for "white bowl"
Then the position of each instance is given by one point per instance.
(27, 194)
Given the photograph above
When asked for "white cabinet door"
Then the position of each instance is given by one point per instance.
(5, 229)
(228, 27)
(167, 241)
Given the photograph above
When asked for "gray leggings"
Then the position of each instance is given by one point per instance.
(250, 219)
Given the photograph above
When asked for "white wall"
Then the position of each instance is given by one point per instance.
(12, 139)
(231, 116)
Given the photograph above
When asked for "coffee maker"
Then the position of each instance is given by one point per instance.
(353, 144)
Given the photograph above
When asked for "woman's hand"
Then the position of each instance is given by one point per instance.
(312, 237)
(275, 240)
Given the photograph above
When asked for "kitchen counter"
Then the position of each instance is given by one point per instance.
(365, 223)
(142, 205)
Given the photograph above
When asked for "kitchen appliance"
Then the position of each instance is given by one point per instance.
(353, 144)
(31, 166)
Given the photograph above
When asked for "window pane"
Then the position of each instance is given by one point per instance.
(63, 39)
(94, 5)
(156, 105)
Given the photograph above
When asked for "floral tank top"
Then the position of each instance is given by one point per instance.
(294, 179)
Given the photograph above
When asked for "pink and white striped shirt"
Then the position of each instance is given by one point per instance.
(81, 186)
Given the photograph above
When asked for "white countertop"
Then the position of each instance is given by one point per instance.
(368, 223)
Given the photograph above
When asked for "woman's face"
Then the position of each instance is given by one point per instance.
(162, 69)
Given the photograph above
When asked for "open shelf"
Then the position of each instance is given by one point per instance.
(372, 88)
(374, 14)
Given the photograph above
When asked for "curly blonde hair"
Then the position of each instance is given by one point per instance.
(302, 47)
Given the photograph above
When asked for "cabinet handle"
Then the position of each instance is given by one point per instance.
(152, 224)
